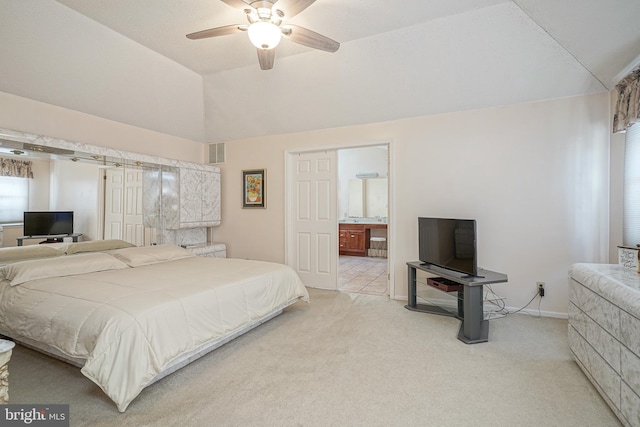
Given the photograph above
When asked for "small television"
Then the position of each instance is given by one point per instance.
(448, 243)
(48, 223)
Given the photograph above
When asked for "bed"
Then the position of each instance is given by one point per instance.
(129, 316)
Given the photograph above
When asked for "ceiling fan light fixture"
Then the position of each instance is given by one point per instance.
(265, 18)
(264, 35)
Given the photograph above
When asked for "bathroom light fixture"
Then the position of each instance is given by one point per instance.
(367, 175)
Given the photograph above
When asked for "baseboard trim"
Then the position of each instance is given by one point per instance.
(541, 313)
(449, 303)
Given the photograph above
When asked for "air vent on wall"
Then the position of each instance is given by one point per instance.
(217, 152)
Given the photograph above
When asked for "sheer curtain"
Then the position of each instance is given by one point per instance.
(626, 118)
(631, 209)
(14, 199)
(14, 189)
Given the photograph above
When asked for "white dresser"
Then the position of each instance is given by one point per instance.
(604, 333)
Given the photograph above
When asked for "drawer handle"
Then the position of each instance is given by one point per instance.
(353, 235)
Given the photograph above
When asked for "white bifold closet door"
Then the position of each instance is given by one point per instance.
(123, 206)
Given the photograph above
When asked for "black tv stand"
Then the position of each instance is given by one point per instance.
(57, 238)
(474, 328)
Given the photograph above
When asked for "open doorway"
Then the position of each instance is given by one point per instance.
(317, 205)
(314, 212)
(363, 211)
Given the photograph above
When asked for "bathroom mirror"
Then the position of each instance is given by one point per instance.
(368, 198)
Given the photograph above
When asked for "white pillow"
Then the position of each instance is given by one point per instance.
(26, 271)
(22, 253)
(146, 255)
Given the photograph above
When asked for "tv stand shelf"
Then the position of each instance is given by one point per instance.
(56, 238)
(474, 328)
(445, 285)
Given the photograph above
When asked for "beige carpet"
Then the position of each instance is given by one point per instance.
(347, 360)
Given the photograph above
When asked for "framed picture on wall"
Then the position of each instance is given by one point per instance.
(254, 186)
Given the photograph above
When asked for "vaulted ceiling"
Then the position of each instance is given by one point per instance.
(603, 36)
(397, 59)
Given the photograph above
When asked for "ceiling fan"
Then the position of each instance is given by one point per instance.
(265, 28)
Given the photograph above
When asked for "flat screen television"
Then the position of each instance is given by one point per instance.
(448, 243)
(48, 223)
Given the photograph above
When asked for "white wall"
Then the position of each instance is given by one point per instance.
(26, 115)
(459, 62)
(74, 187)
(39, 185)
(535, 176)
(55, 55)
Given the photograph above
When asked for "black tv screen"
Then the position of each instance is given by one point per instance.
(448, 243)
(48, 223)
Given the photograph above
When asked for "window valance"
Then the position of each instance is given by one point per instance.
(15, 168)
(627, 109)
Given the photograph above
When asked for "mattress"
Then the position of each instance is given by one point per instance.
(130, 321)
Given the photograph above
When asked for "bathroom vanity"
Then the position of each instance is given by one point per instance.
(354, 237)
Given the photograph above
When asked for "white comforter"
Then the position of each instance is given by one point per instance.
(130, 323)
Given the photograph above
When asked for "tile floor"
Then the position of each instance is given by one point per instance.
(364, 275)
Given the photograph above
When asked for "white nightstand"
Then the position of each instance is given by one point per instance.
(5, 355)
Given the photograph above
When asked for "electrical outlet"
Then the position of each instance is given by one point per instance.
(540, 288)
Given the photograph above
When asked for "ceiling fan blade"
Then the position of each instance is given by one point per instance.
(215, 32)
(266, 58)
(238, 4)
(309, 38)
(291, 8)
